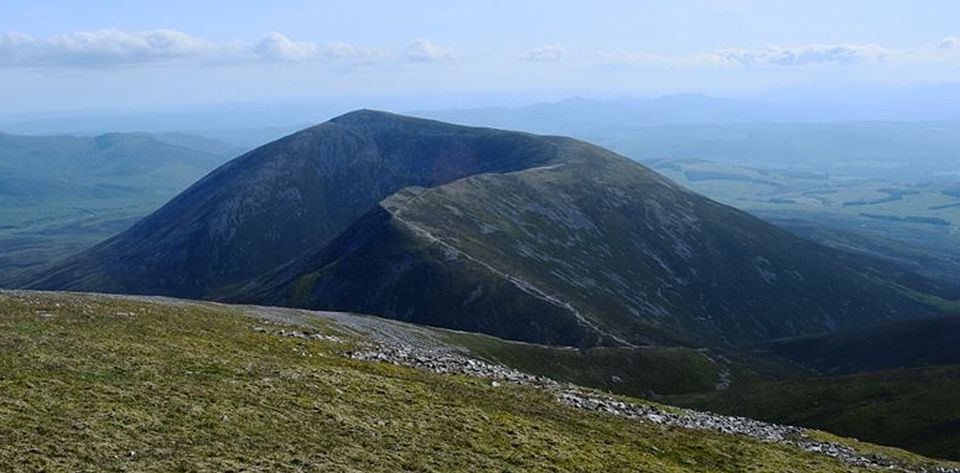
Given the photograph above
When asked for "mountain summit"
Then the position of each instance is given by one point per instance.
(534, 238)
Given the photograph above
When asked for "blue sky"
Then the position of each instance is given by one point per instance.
(147, 54)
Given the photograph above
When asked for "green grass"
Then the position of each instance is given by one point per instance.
(97, 384)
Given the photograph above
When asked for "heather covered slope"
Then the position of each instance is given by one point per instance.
(594, 249)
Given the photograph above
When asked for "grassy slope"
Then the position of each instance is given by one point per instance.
(94, 384)
(914, 409)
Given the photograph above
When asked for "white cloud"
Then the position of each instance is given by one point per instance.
(548, 52)
(101, 47)
(422, 50)
(277, 47)
(950, 42)
(111, 47)
(105, 48)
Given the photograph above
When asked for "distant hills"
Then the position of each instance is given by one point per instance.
(60, 194)
(796, 104)
(736, 131)
(576, 115)
(526, 237)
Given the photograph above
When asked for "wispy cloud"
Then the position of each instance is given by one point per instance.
(949, 42)
(103, 47)
(277, 47)
(110, 48)
(772, 56)
(547, 52)
(422, 50)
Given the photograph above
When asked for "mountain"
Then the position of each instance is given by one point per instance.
(526, 237)
(60, 194)
(273, 203)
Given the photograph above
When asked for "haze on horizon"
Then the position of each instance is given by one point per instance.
(58, 56)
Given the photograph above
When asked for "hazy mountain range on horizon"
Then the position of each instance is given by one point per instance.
(797, 104)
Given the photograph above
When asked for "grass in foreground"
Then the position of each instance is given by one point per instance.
(96, 384)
